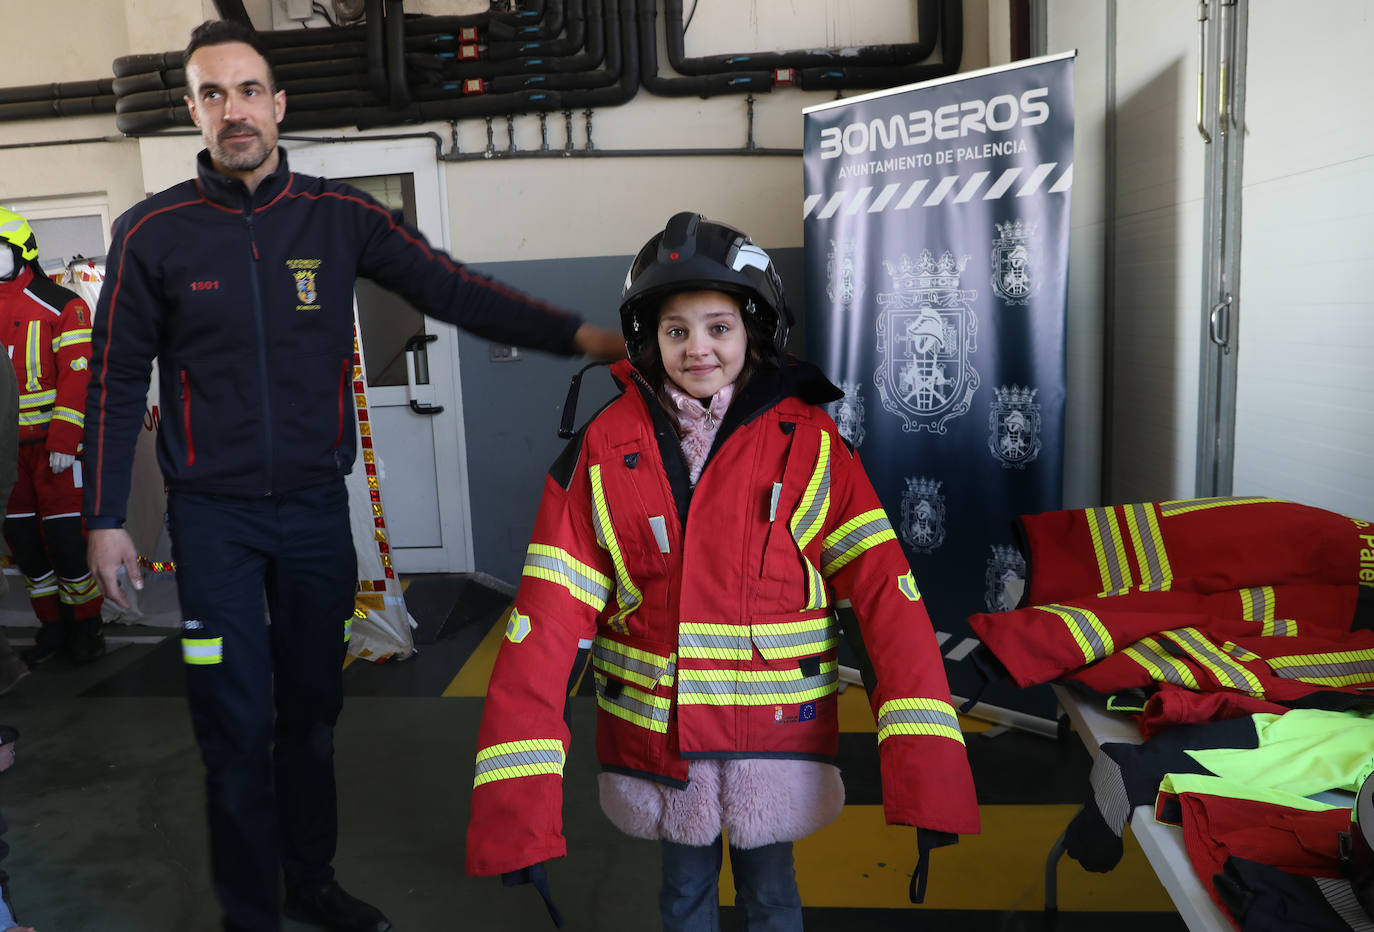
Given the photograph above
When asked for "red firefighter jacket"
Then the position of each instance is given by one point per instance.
(1199, 545)
(47, 330)
(709, 614)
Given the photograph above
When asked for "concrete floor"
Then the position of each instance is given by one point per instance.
(105, 805)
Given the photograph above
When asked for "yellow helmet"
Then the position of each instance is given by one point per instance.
(16, 230)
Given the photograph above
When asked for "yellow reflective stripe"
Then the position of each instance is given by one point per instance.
(755, 687)
(930, 717)
(69, 415)
(634, 706)
(781, 640)
(556, 565)
(513, 759)
(78, 591)
(1204, 652)
(1111, 553)
(626, 592)
(1155, 573)
(202, 651)
(1162, 668)
(1257, 603)
(1087, 631)
(811, 511)
(631, 663)
(1240, 653)
(1279, 627)
(854, 537)
(348, 628)
(30, 418)
(33, 359)
(1330, 668)
(37, 399)
(72, 337)
(906, 585)
(1184, 506)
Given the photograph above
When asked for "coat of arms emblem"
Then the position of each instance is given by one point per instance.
(923, 514)
(305, 285)
(1005, 577)
(848, 413)
(926, 333)
(1014, 426)
(842, 286)
(1014, 258)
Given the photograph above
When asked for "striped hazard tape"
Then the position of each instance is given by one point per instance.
(1018, 181)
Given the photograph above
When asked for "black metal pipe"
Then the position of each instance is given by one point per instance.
(951, 53)
(602, 33)
(646, 14)
(96, 88)
(376, 49)
(67, 106)
(396, 54)
(864, 55)
(569, 43)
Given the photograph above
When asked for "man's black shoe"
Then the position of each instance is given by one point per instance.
(47, 643)
(333, 909)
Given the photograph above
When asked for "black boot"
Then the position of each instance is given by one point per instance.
(82, 639)
(331, 908)
(47, 643)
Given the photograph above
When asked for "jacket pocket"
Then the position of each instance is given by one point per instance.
(635, 680)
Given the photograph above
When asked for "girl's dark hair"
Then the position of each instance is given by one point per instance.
(649, 361)
(222, 32)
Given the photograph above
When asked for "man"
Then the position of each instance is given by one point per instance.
(46, 330)
(254, 446)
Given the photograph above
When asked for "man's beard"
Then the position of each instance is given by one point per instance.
(240, 158)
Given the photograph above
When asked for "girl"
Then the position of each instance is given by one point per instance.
(695, 536)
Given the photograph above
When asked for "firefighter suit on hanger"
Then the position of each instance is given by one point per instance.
(46, 330)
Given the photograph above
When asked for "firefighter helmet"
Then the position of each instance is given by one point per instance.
(15, 230)
(694, 253)
(1357, 848)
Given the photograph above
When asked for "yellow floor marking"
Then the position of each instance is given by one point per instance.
(472, 679)
(858, 861)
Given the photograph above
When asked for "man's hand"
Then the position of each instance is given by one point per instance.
(107, 549)
(57, 462)
(598, 342)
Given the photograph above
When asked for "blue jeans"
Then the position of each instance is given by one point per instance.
(765, 887)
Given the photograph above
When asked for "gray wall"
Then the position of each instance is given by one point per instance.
(511, 410)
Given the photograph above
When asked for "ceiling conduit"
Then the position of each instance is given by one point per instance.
(398, 68)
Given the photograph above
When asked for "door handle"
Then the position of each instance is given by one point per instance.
(1202, 67)
(418, 388)
(1219, 322)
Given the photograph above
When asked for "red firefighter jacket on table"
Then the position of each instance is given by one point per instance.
(48, 332)
(709, 613)
(1247, 595)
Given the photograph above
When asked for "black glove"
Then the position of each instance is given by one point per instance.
(926, 840)
(536, 875)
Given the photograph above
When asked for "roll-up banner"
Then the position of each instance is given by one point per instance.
(937, 251)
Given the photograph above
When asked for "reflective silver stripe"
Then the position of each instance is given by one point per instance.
(1257, 604)
(1146, 534)
(1108, 534)
(919, 717)
(660, 528)
(1160, 665)
(637, 666)
(1182, 507)
(519, 759)
(202, 651)
(1347, 667)
(874, 529)
(700, 645)
(1207, 654)
(558, 566)
(1279, 627)
(773, 505)
(1092, 636)
(813, 640)
(755, 687)
(631, 705)
(816, 501)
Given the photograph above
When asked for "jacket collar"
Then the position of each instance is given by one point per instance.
(233, 193)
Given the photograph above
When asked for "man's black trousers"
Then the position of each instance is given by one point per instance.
(264, 697)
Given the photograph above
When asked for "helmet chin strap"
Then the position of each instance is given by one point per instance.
(8, 267)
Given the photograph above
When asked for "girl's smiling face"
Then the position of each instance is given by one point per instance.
(702, 341)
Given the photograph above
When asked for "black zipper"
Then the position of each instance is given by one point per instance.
(264, 383)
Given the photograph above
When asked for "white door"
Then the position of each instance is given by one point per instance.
(410, 364)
